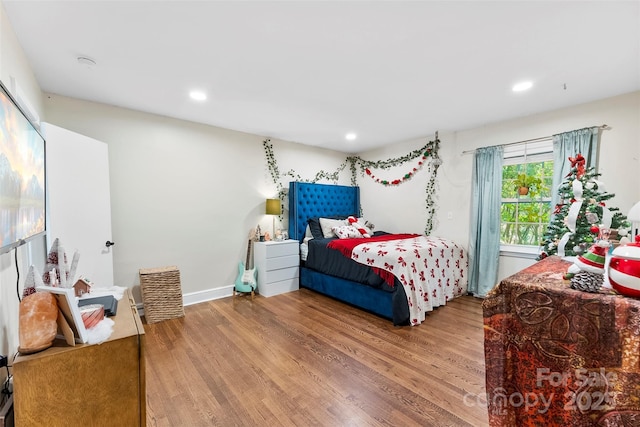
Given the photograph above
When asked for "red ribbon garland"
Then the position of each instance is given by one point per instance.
(406, 176)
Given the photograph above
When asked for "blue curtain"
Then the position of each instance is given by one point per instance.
(484, 238)
(568, 144)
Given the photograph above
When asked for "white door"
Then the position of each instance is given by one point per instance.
(78, 201)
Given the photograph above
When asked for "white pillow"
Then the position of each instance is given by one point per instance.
(327, 224)
(346, 232)
(307, 233)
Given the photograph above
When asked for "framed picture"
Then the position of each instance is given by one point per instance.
(69, 312)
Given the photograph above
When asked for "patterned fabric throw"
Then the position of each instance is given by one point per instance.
(432, 270)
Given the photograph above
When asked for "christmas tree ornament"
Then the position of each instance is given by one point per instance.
(591, 218)
(624, 269)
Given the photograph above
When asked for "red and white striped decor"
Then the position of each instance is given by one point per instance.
(624, 269)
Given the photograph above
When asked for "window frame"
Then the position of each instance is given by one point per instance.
(530, 152)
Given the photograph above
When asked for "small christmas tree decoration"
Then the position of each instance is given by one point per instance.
(58, 272)
(32, 281)
(580, 209)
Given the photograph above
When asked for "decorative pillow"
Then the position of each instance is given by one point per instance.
(354, 222)
(307, 233)
(327, 224)
(314, 228)
(314, 225)
(346, 232)
(365, 224)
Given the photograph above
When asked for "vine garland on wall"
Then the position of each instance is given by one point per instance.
(356, 162)
(272, 165)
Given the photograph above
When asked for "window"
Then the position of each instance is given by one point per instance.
(525, 217)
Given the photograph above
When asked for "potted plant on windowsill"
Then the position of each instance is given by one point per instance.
(526, 184)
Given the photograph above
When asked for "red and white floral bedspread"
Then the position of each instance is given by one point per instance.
(431, 269)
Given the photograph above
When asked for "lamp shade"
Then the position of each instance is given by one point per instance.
(634, 218)
(634, 213)
(273, 207)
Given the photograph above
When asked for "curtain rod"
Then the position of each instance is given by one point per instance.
(542, 138)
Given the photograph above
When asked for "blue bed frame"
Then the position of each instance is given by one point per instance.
(308, 200)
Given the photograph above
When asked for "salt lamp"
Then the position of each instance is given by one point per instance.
(37, 325)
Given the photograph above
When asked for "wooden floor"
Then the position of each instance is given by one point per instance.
(302, 359)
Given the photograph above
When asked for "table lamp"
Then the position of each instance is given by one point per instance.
(634, 218)
(273, 207)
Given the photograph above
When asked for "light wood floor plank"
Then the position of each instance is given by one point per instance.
(302, 359)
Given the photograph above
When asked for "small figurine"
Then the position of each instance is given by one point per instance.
(82, 286)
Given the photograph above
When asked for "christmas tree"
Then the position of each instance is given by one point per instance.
(581, 213)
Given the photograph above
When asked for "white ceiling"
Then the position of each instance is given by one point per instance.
(311, 71)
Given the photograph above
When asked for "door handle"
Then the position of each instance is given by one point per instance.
(109, 243)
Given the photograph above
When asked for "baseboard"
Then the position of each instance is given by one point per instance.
(199, 296)
(207, 295)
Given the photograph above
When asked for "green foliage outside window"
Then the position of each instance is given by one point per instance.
(524, 218)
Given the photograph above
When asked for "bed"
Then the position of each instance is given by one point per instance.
(337, 268)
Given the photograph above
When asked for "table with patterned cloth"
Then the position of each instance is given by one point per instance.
(556, 356)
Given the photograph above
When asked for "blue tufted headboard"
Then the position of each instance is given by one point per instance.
(308, 200)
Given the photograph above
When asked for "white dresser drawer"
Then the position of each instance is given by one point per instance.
(279, 287)
(282, 262)
(270, 276)
(278, 265)
(278, 249)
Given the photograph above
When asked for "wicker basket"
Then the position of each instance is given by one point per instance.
(161, 293)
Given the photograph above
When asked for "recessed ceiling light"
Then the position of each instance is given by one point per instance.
(197, 95)
(350, 136)
(519, 87)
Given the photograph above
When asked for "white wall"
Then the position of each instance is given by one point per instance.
(183, 194)
(400, 208)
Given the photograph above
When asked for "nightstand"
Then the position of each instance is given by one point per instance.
(278, 266)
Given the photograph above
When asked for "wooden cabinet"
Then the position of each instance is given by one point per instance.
(101, 384)
(278, 265)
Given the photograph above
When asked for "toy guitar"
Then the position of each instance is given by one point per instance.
(246, 280)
